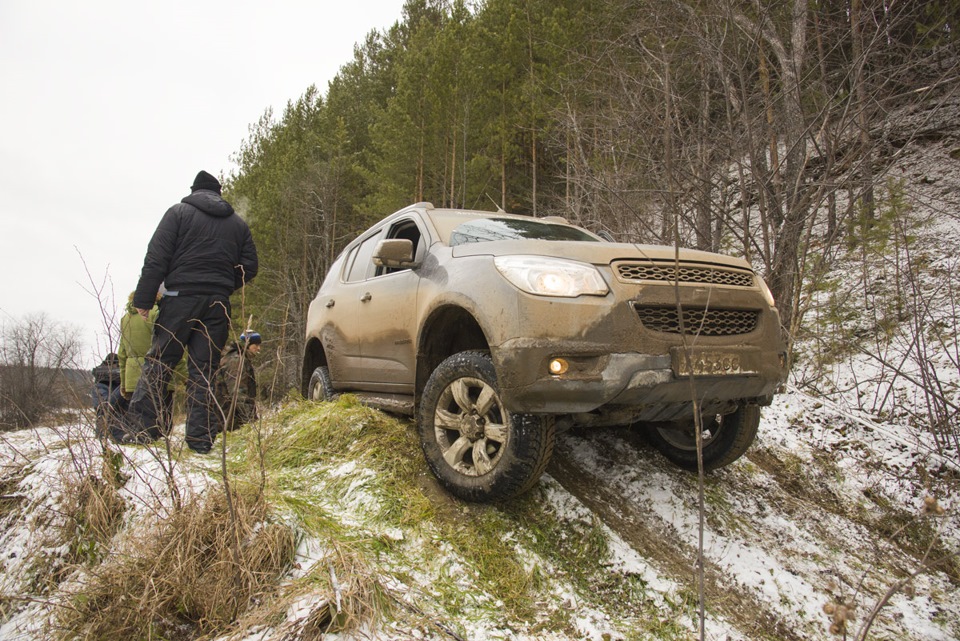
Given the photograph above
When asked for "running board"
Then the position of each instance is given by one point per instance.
(391, 403)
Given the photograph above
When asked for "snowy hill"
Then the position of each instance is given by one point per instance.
(321, 521)
(825, 510)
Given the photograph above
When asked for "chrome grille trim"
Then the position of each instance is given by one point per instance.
(698, 321)
(664, 271)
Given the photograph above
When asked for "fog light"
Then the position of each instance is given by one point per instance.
(558, 366)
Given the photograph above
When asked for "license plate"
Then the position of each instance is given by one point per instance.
(709, 363)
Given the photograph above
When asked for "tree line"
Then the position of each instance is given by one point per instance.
(746, 126)
(38, 371)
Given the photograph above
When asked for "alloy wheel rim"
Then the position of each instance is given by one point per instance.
(470, 426)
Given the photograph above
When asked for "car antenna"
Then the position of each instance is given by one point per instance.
(499, 208)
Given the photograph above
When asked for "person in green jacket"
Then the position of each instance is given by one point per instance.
(136, 333)
(136, 336)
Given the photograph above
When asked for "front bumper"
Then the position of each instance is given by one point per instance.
(624, 351)
(655, 387)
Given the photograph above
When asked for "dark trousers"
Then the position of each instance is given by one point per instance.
(105, 394)
(200, 324)
(109, 404)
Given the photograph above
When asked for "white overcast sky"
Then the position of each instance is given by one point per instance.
(110, 107)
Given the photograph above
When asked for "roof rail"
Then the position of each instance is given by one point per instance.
(423, 205)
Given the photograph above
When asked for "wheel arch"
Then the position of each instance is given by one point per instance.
(446, 331)
(313, 357)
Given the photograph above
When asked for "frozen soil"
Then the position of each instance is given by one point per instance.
(788, 530)
(822, 511)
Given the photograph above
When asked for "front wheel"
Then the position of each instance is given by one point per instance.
(477, 449)
(725, 437)
(321, 387)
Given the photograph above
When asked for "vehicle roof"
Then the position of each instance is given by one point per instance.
(445, 221)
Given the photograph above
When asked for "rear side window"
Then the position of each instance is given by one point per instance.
(362, 266)
(481, 230)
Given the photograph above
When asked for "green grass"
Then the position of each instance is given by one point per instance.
(349, 485)
(496, 565)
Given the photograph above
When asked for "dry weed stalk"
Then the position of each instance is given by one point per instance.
(930, 508)
(93, 509)
(342, 591)
(182, 579)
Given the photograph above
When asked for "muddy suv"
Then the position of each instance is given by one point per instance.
(495, 330)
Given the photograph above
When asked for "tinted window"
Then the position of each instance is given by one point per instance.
(481, 230)
(362, 266)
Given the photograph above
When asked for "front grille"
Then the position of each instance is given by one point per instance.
(637, 271)
(699, 321)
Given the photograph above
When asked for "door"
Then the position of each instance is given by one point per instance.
(342, 333)
(388, 318)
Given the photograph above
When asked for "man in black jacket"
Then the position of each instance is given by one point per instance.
(201, 252)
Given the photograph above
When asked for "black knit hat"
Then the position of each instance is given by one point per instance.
(250, 337)
(205, 181)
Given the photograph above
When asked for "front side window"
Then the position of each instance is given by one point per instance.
(481, 230)
(405, 229)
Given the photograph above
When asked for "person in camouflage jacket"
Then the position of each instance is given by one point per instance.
(106, 392)
(136, 333)
(237, 381)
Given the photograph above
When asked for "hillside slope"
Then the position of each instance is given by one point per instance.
(322, 522)
(820, 512)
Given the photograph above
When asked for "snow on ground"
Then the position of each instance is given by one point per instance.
(826, 508)
(36, 468)
(791, 553)
(795, 525)
(789, 528)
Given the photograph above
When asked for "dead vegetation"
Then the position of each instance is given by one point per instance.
(191, 574)
(93, 513)
(337, 528)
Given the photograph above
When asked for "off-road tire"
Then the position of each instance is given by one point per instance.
(320, 387)
(491, 454)
(731, 436)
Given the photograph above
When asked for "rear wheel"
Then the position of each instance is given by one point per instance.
(321, 387)
(476, 448)
(725, 438)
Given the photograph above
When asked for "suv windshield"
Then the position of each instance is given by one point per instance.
(481, 230)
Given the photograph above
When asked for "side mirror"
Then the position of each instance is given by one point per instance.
(394, 253)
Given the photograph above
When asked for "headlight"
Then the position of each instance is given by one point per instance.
(552, 276)
(767, 294)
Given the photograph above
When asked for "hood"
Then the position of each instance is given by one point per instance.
(595, 253)
(209, 202)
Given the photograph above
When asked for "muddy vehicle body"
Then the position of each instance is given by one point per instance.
(495, 330)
